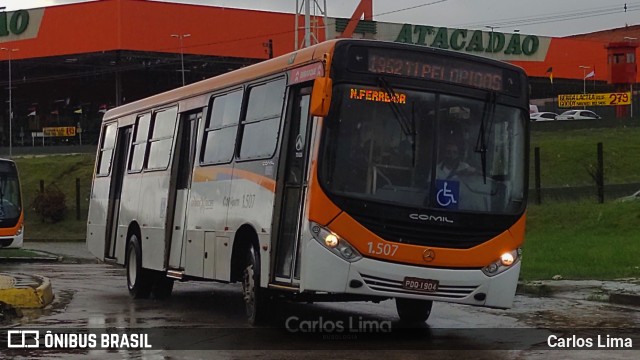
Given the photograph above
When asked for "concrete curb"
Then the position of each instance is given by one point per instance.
(614, 292)
(25, 291)
(44, 256)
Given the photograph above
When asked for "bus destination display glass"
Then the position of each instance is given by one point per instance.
(433, 67)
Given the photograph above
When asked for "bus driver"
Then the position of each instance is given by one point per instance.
(452, 164)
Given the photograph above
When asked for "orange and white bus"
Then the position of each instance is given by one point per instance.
(348, 170)
(11, 211)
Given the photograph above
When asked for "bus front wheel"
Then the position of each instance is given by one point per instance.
(413, 311)
(255, 297)
(139, 280)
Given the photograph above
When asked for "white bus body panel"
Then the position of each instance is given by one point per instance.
(178, 231)
(152, 211)
(218, 207)
(129, 199)
(97, 216)
(206, 212)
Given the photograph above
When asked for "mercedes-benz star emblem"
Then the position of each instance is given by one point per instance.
(428, 255)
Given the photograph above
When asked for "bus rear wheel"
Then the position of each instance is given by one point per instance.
(255, 297)
(139, 280)
(413, 311)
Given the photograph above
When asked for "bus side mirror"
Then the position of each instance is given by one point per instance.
(321, 96)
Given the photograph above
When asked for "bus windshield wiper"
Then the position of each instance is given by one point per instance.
(407, 126)
(481, 142)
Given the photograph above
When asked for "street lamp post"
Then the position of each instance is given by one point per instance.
(633, 39)
(584, 77)
(9, 51)
(490, 37)
(180, 37)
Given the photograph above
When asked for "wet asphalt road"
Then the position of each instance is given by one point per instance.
(93, 295)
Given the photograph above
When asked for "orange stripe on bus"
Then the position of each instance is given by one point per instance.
(227, 173)
(478, 256)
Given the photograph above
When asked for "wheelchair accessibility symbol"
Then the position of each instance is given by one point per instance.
(448, 193)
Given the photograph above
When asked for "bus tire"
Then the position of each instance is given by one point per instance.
(255, 297)
(139, 280)
(162, 287)
(413, 311)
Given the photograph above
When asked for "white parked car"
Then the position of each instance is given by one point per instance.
(543, 116)
(578, 115)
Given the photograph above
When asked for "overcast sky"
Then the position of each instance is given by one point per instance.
(539, 17)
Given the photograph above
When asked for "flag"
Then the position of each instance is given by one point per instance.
(591, 74)
(550, 72)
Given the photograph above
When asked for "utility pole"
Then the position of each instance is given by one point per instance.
(180, 37)
(9, 51)
(490, 47)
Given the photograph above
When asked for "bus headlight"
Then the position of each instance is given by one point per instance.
(505, 262)
(19, 232)
(334, 243)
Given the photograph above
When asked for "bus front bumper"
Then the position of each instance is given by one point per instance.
(324, 271)
(11, 241)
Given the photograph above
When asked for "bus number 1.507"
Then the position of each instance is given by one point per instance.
(382, 249)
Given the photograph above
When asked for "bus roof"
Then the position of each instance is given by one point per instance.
(265, 68)
(273, 66)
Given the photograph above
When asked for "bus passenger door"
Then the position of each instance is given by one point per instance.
(297, 151)
(115, 192)
(185, 156)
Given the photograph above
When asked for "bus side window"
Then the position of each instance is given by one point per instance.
(139, 146)
(262, 120)
(161, 139)
(106, 150)
(221, 128)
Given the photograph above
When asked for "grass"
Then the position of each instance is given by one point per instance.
(566, 155)
(582, 240)
(61, 170)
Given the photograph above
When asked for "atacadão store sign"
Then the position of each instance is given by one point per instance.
(496, 45)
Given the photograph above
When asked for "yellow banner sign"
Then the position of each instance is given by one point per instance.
(601, 99)
(59, 131)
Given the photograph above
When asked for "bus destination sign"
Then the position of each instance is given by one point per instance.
(435, 67)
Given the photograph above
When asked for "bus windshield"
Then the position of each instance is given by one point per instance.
(10, 200)
(424, 150)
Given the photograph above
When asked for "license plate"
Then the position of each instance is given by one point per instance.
(417, 284)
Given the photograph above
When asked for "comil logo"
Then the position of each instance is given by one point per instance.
(22, 339)
(426, 217)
